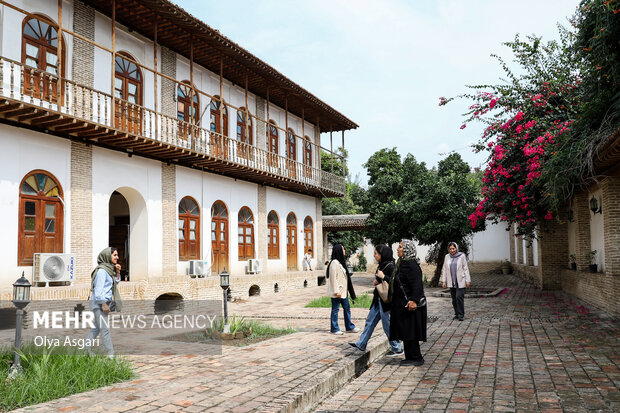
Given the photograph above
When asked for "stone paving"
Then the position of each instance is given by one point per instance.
(524, 350)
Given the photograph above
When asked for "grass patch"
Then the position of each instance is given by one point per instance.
(362, 301)
(48, 376)
(254, 332)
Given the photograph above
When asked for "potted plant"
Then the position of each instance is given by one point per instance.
(591, 257)
(506, 267)
(573, 261)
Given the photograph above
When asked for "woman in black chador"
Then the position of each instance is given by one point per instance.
(408, 321)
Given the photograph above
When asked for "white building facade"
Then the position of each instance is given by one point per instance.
(155, 135)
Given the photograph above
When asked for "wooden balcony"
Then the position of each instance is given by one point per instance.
(40, 101)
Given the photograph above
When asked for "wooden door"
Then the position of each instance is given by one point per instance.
(291, 154)
(291, 242)
(273, 247)
(219, 129)
(272, 157)
(127, 96)
(40, 56)
(219, 237)
(244, 134)
(189, 229)
(41, 217)
(188, 108)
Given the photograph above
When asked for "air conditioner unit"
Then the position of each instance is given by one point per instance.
(254, 266)
(53, 268)
(197, 268)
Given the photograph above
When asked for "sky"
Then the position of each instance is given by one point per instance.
(385, 63)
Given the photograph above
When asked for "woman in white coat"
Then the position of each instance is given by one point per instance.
(338, 285)
(455, 275)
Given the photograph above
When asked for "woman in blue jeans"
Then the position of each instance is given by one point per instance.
(380, 311)
(338, 285)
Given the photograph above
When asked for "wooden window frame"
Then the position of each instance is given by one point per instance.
(273, 232)
(247, 229)
(226, 221)
(124, 115)
(184, 99)
(39, 233)
(187, 218)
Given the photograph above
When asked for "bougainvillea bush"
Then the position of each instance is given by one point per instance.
(536, 133)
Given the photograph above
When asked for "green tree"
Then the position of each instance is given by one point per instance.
(407, 200)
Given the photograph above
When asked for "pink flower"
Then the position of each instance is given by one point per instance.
(519, 129)
(492, 103)
(519, 116)
(463, 126)
(530, 124)
(548, 216)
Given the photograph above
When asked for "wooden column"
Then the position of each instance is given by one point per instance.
(191, 84)
(60, 62)
(247, 110)
(155, 71)
(221, 96)
(267, 127)
(331, 146)
(344, 161)
(113, 61)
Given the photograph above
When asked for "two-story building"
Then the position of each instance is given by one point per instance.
(133, 124)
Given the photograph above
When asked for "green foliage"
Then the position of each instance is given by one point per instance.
(334, 164)
(48, 376)
(362, 301)
(349, 204)
(361, 263)
(255, 329)
(407, 200)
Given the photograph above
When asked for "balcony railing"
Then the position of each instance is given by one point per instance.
(91, 114)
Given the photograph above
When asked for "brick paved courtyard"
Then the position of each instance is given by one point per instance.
(524, 350)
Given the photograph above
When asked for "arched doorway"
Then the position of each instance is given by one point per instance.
(291, 242)
(128, 232)
(219, 237)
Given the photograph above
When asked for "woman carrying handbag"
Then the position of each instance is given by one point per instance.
(380, 310)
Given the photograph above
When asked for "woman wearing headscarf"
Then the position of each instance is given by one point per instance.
(338, 285)
(455, 275)
(104, 296)
(408, 320)
(380, 311)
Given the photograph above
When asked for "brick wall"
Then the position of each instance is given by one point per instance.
(552, 251)
(318, 236)
(600, 290)
(582, 224)
(611, 222)
(169, 219)
(82, 68)
(82, 210)
(261, 226)
(168, 87)
(528, 273)
(261, 134)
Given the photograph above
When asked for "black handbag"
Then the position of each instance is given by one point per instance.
(421, 303)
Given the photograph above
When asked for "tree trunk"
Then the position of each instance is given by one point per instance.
(440, 259)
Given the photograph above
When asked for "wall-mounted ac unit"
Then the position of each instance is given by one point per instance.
(254, 266)
(197, 268)
(53, 268)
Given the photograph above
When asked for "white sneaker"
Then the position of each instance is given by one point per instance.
(337, 333)
(355, 330)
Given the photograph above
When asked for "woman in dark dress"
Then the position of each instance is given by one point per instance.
(408, 320)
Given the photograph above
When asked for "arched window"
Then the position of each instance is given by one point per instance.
(291, 146)
(244, 134)
(127, 93)
(189, 229)
(273, 229)
(273, 137)
(307, 152)
(291, 241)
(216, 124)
(40, 51)
(308, 236)
(188, 108)
(246, 234)
(40, 216)
(219, 237)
